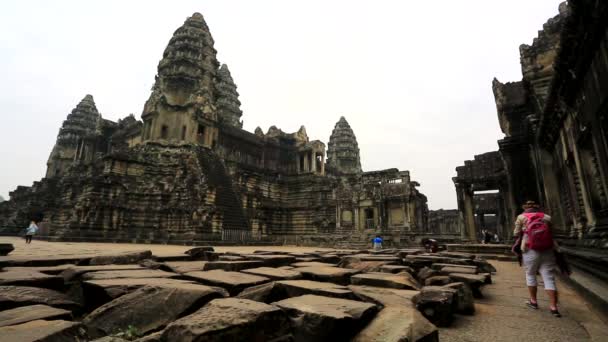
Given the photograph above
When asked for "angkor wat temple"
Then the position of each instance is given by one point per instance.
(189, 172)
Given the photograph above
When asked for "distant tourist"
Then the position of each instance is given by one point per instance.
(377, 242)
(496, 238)
(487, 236)
(30, 231)
(533, 230)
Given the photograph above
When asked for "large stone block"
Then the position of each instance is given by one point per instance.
(437, 304)
(122, 258)
(330, 274)
(30, 313)
(398, 324)
(143, 273)
(272, 260)
(43, 331)
(401, 280)
(274, 273)
(149, 308)
(318, 318)
(230, 319)
(233, 282)
(16, 296)
(6, 248)
(232, 266)
(25, 277)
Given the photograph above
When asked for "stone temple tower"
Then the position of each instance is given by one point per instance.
(81, 122)
(343, 150)
(182, 107)
(227, 99)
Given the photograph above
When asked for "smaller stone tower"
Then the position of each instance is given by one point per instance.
(227, 99)
(79, 123)
(343, 150)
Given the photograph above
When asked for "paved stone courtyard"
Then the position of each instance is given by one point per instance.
(499, 316)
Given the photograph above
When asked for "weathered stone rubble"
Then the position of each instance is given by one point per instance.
(129, 301)
(189, 172)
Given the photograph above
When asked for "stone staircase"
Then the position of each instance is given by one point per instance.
(226, 199)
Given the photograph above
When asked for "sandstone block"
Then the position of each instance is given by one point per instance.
(25, 277)
(274, 273)
(384, 296)
(363, 266)
(232, 266)
(396, 269)
(16, 296)
(149, 308)
(330, 274)
(6, 248)
(230, 319)
(437, 280)
(475, 281)
(272, 260)
(30, 313)
(465, 303)
(122, 258)
(401, 280)
(398, 324)
(313, 264)
(186, 266)
(437, 304)
(144, 273)
(233, 282)
(318, 318)
(43, 331)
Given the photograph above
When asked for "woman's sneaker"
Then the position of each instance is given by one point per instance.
(555, 313)
(532, 305)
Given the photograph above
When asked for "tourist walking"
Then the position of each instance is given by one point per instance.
(533, 229)
(30, 231)
(377, 241)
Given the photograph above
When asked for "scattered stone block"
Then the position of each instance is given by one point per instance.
(396, 269)
(186, 266)
(99, 292)
(330, 258)
(154, 265)
(313, 264)
(318, 318)
(437, 281)
(6, 248)
(231, 319)
(440, 266)
(475, 281)
(401, 280)
(232, 266)
(202, 253)
(16, 296)
(426, 273)
(307, 259)
(43, 331)
(225, 257)
(155, 337)
(466, 303)
(398, 324)
(294, 288)
(437, 304)
(144, 273)
(73, 272)
(363, 266)
(121, 259)
(233, 282)
(272, 260)
(149, 308)
(274, 273)
(388, 259)
(457, 269)
(384, 296)
(458, 255)
(30, 313)
(25, 277)
(331, 274)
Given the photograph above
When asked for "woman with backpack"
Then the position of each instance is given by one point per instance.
(533, 228)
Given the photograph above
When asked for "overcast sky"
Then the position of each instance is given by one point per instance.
(413, 78)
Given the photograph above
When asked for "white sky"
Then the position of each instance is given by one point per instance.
(413, 78)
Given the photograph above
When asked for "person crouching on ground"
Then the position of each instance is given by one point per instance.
(30, 231)
(377, 242)
(537, 245)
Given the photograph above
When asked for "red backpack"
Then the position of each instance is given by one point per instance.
(538, 232)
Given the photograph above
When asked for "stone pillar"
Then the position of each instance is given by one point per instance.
(323, 163)
(469, 232)
(552, 199)
(306, 160)
(313, 161)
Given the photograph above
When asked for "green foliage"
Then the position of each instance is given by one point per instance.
(129, 334)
